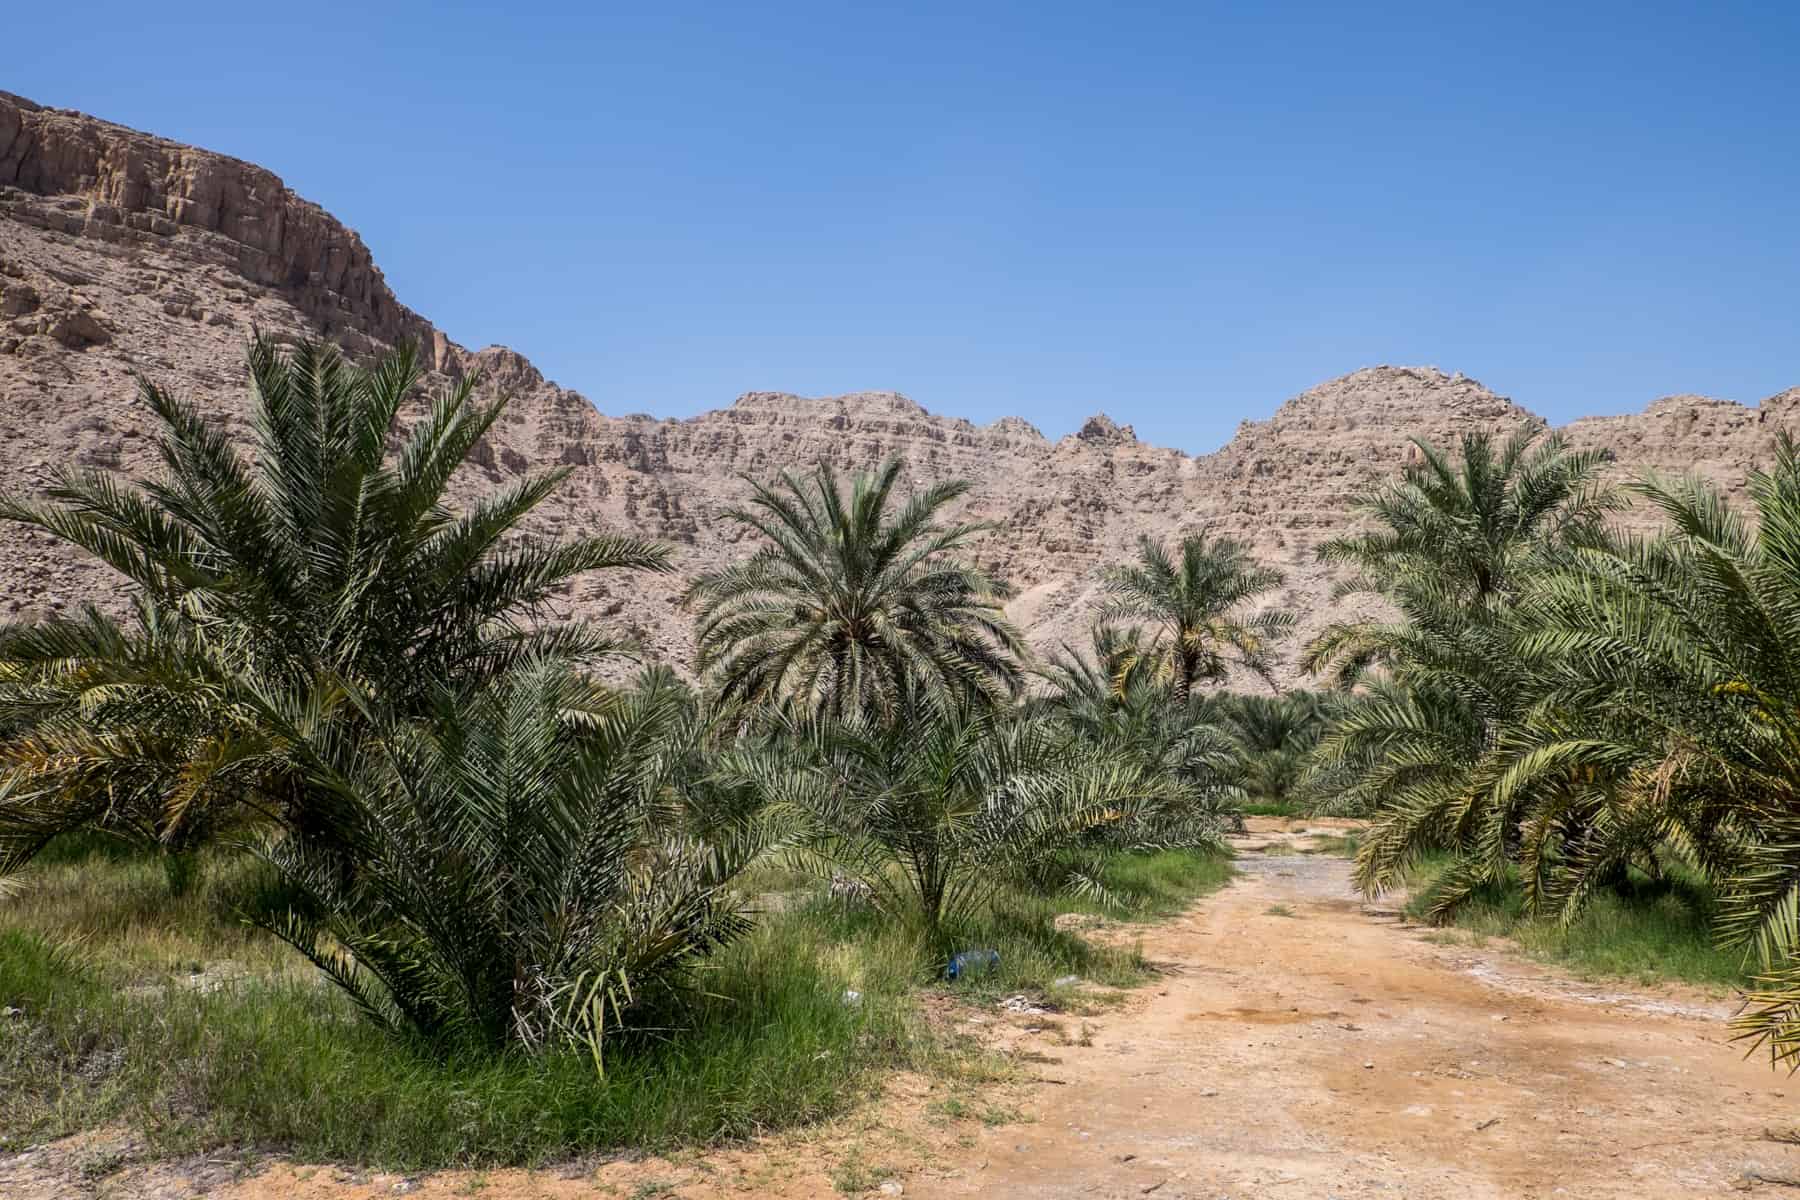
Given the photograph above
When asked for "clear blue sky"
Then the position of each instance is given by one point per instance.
(1178, 213)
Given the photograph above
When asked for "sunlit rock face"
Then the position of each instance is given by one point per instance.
(122, 253)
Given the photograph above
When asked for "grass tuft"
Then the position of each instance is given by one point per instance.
(1647, 931)
(173, 1017)
(1278, 808)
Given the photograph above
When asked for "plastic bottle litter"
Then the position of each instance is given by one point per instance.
(972, 962)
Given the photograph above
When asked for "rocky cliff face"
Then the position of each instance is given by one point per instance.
(122, 253)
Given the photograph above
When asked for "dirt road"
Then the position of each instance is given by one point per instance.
(1335, 1053)
(1300, 1045)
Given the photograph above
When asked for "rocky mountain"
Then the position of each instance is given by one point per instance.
(123, 253)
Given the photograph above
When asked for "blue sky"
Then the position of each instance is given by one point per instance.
(1178, 213)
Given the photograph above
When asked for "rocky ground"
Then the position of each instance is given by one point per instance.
(1300, 1044)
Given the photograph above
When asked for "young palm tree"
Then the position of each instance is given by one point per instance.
(517, 884)
(1408, 747)
(1272, 737)
(322, 549)
(1121, 664)
(131, 730)
(855, 601)
(935, 811)
(1197, 602)
(1113, 700)
(319, 557)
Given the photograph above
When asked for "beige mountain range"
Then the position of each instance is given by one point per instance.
(121, 252)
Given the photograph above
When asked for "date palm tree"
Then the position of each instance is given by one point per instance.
(856, 599)
(136, 730)
(1272, 737)
(1196, 598)
(322, 549)
(1409, 747)
(935, 811)
(1471, 525)
(518, 883)
(1674, 727)
(321, 555)
(1119, 666)
(1453, 545)
(1112, 699)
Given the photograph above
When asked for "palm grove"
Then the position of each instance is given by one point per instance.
(1573, 711)
(329, 668)
(332, 670)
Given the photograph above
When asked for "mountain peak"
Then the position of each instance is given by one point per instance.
(1102, 430)
(505, 368)
(1398, 396)
(1016, 427)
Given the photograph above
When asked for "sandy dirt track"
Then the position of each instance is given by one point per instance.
(1335, 1053)
(1300, 1044)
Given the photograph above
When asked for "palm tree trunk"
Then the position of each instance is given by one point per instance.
(1187, 665)
(181, 870)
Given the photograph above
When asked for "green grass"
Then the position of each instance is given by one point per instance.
(1275, 808)
(853, 1175)
(1647, 931)
(1163, 884)
(115, 1029)
(288, 1065)
(1034, 954)
(114, 901)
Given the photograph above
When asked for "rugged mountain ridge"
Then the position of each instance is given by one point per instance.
(121, 252)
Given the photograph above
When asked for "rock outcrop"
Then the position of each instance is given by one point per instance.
(125, 254)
